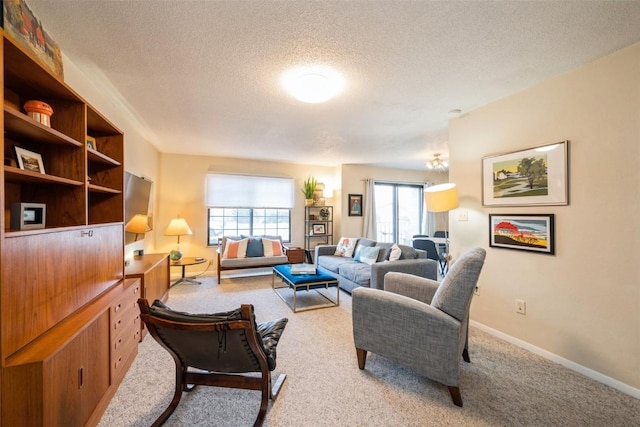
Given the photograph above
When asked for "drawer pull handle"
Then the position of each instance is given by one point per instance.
(117, 324)
(86, 233)
(80, 377)
(117, 307)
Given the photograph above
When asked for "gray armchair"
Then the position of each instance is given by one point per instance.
(419, 322)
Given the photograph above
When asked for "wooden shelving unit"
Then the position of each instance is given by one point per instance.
(61, 286)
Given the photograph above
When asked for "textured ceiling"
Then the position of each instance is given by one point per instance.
(202, 77)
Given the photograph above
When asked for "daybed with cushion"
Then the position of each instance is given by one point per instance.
(363, 262)
(240, 252)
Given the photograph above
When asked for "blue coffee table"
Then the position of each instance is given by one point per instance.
(306, 282)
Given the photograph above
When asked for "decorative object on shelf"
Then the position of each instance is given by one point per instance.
(39, 111)
(442, 198)
(324, 214)
(437, 164)
(355, 204)
(318, 195)
(28, 216)
(28, 160)
(177, 227)
(318, 229)
(139, 224)
(533, 233)
(25, 27)
(308, 188)
(91, 143)
(532, 177)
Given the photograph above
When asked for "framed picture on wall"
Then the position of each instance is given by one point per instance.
(533, 233)
(535, 176)
(355, 204)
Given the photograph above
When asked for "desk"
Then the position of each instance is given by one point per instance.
(183, 262)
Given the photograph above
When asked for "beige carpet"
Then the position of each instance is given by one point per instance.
(502, 386)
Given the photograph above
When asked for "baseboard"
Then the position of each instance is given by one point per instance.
(590, 373)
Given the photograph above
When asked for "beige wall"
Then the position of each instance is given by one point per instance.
(583, 304)
(182, 189)
(353, 182)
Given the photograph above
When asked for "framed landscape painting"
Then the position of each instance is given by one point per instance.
(536, 176)
(533, 233)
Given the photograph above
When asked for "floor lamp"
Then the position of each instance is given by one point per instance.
(177, 227)
(442, 198)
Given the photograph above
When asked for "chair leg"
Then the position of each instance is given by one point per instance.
(455, 395)
(180, 385)
(362, 357)
(465, 355)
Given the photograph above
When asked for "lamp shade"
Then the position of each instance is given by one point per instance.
(177, 227)
(442, 197)
(139, 224)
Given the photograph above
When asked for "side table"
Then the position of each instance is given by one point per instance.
(294, 254)
(184, 262)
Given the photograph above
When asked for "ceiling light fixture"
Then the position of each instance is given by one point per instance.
(437, 163)
(313, 84)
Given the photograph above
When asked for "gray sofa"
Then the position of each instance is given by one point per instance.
(253, 259)
(353, 274)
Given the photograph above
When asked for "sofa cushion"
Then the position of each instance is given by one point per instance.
(271, 247)
(356, 272)
(346, 247)
(366, 254)
(235, 248)
(254, 247)
(408, 252)
(395, 252)
(385, 250)
(332, 262)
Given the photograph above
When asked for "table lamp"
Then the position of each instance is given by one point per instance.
(139, 224)
(442, 198)
(177, 227)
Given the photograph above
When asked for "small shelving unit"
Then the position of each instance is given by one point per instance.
(316, 218)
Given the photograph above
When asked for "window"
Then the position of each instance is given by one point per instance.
(248, 222)
(399, 211)
(248, 205)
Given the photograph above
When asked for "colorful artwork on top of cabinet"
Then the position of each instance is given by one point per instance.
(23, 26)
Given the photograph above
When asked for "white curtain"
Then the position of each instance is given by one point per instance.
(369, 225)
(429, 218)
(248, 191)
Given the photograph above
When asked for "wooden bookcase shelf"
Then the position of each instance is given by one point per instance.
(61, 287)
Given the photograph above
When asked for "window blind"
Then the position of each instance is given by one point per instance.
(249, 191)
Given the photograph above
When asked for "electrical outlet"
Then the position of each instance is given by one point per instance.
(476, 291)
(521, 306)
(463, 215)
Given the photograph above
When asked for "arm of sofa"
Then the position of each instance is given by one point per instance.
(323, 250)
(422, 267)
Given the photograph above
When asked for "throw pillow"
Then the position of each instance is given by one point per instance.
(254, 247)
(235, 248)
(395, 253)
(271, 247)
(346, 246)
(367, 255)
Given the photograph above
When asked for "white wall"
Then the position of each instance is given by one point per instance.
(583, 304)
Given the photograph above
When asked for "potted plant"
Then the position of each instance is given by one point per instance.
(308, 188)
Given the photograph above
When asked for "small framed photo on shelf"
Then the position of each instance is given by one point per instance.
(355, 204)
(30, 161)
(319, 229)
(91, 143)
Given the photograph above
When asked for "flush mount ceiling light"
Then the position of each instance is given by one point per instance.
(437, 163)
(312, 84)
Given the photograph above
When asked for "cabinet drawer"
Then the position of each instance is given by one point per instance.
(123, 346)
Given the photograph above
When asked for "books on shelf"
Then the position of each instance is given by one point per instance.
(303, 269)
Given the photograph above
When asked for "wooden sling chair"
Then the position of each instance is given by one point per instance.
(223, 345)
